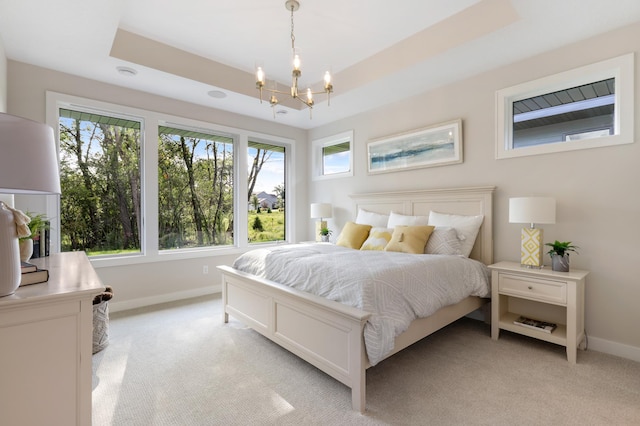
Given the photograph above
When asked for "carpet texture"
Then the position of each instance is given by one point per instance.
(178, 364)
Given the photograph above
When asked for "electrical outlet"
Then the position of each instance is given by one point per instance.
(205, 269)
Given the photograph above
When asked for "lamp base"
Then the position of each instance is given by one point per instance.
(10, 272)
(319, 225)
(531, 266)
(531, 248)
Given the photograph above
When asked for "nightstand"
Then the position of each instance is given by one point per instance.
(541, 294)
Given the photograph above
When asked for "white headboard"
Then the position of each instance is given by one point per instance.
(463, 201)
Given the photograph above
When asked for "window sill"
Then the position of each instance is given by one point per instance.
(171, 255)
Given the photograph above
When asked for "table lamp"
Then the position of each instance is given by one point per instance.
(532, 210)
(28, 165)
(320, 211)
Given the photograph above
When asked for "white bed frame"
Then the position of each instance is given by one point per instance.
(328, 334)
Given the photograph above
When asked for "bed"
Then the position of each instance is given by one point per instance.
(328, 334)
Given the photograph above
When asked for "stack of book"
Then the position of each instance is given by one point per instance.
(547, 327)
(31, 274)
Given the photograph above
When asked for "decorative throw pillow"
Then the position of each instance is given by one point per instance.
(353, 235)
(443, 240)
(378, 239)
(467, 227)
(376, 220)
(397, 219)
(409, 239)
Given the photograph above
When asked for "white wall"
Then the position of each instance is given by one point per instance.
(598, 202)
(154, 282)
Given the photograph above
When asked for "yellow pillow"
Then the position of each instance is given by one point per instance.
(353, 235)
(409, 239)
(378, 239)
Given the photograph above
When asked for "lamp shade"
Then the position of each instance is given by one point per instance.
(320, 210)
(28, 159)
(532, 210)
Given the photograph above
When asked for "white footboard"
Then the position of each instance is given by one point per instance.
(327, 334)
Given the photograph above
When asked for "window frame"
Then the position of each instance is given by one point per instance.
(317, 156)
(149, 180)
(621, 68)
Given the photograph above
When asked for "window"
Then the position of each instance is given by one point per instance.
(140, 186)
(332, 156)
(577, 113)
(266, 191)
(100, 179)
(583, 108)
(195, 188)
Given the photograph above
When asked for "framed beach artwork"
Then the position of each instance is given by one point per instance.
(436, 145)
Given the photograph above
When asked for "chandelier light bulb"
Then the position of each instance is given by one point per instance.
(260, 76)
(296, 63)
(328, 87)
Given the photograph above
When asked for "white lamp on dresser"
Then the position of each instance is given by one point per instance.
(532, 210)
(28, 165)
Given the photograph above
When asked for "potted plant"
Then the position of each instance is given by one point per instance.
(325, 233)
(38, 223)
(560, 255)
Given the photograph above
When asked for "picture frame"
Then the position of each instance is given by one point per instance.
(436, 145)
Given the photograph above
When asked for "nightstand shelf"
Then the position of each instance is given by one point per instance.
(558, 336)
(541, 294)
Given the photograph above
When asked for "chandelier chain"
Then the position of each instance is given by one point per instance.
(293, 37)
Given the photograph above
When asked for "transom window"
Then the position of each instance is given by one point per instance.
(577, 113)
(587, 107)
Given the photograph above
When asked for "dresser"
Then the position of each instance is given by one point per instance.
(46, 335)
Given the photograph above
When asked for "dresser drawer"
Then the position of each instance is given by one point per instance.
(533, 289)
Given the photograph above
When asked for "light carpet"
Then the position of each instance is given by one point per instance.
(178, 364)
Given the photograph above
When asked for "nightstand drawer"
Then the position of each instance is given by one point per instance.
(533, 289)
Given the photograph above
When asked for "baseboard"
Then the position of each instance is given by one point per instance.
(163, 298)
(613, 348)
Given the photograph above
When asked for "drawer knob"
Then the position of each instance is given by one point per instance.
(530, 288)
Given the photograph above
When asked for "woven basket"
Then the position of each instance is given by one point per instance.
(100, 326)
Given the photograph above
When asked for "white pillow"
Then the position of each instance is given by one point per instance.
(397, 219)
(466, 226)
(376, 220)
(443, 240)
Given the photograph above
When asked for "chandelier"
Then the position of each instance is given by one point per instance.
(293, 5)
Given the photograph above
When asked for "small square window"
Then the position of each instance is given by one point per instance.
(333, 156)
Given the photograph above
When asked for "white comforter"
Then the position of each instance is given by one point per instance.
(395, 288)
